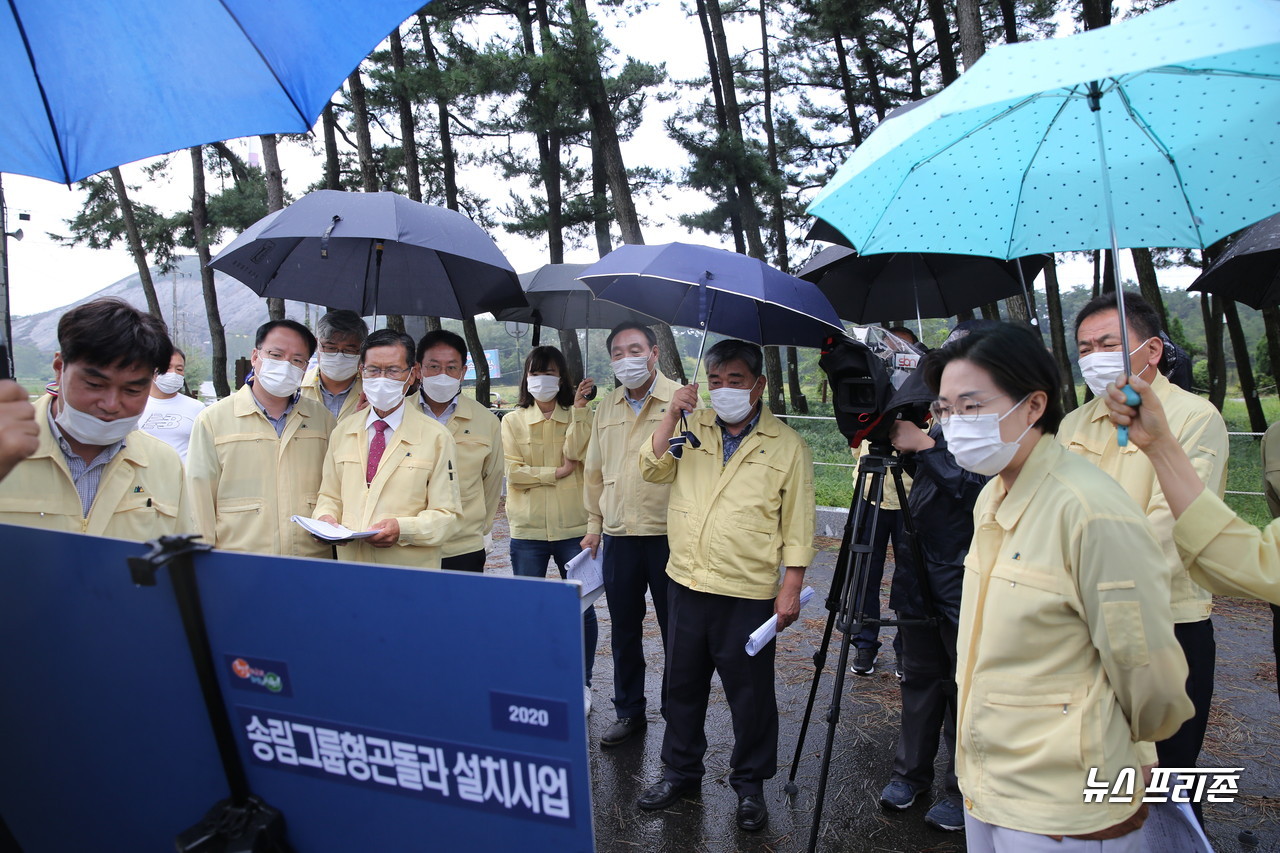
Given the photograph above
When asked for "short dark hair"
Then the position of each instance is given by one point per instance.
(901, 330)
(109, 332)
(540, 358)
(630, 324)
(1018, 363)
(293, 326)
(389, 338)
(177, 351)
(732, 349)
(441, 336)
(1141, 316)
(342, 322)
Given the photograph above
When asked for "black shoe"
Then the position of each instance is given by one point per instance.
(752, 813)
(665, 793)
(622, 730)
(864, 662)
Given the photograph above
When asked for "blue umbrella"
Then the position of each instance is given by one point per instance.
(716, 291)
(88, 86)
(373, 253)
(1160, 130)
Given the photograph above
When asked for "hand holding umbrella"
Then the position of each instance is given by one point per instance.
(683, 401)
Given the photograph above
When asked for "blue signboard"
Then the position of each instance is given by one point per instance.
(377, 708)
(105, 742)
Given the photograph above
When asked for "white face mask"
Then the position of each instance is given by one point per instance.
(543, 388)
(169, 383)
(339, 366)
(976, 443)
(1101, 368)
(632, 371)
(278, 378)
(93, 431)
(384, 394)
(441, 388)
(732, 405)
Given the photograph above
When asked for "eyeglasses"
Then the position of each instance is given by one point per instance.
(389, 372)
(967, 410)
(330, 349)
(298, 361)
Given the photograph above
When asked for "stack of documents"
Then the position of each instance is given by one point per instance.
(330, 532)
(588, 572)
(763, 635)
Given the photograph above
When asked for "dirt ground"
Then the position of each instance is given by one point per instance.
(1244, 731)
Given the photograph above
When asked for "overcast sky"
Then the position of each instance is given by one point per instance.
(45, 275)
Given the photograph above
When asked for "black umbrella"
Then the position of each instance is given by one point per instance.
(373, 253)
(557, 299)
(871, 288)
(1249, 270)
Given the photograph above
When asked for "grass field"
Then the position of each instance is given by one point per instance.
(834, 486)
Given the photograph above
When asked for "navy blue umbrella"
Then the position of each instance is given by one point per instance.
(715, 290)
(373, 253)
(88, 86)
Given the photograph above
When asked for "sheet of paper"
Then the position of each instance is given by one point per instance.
(763, 635)
(588, 571)
(1173, 827)
(330, 532)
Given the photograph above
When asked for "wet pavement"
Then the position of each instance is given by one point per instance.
(1244, 732)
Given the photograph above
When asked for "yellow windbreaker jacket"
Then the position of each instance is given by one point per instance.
(311, 390)
(731, 527)
(1066, 656)
(538, 505)
(618, 501)
(139, 497)
(477, 435)
(416, 484)
(244, 482)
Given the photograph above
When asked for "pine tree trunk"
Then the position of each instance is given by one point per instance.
(332, 171)
(942, 40)
(972, 42)
(847, 87)
(1244, 368)
(364, 141)
(408, 124)
(275, 201)
(217, 334)
(1148, 284)
(1009, 15)
(599, 200)
(1215, 353)
(1058, 335)
(135, 244)
(572, 354)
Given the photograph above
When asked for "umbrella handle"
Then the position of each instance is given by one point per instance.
(1131, 398)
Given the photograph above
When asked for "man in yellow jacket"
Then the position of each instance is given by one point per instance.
(391, 469)
(477, 435)
(336, 379)
(630, 513)
(742, 506)
(256, 457)
(1201, 431)
(92, 471)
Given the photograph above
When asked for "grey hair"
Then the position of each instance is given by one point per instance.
(343, 323)
(735, 350)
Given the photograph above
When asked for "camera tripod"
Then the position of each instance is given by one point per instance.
(846, 599)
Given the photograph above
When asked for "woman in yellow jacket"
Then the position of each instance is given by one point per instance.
(544, 441)
(1067, 666)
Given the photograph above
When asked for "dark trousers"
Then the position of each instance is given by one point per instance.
(928, 661)
(1275, 637)
(707, 634)
(472, 562)
(889, 527)
(633, 564)
(529, 559)
(1182, 749)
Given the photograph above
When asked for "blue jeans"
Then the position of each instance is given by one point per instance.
(529, 560)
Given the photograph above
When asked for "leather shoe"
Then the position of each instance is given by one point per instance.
(752, 813)
(665, 793)
(622, 730)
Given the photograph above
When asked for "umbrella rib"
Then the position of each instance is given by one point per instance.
(44, 97)
(1160, 146)
(1022, 183)
(301, 115)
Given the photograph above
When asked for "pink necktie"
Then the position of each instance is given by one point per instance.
(376, 447)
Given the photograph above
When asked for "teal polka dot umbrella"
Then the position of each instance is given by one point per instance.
(1160, 130)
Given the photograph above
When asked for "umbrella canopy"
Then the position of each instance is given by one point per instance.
(373, 253)
(714, 290)
(557, 299)
(1007, 160)
(900, 285)
(88, 86)
(1249, 270)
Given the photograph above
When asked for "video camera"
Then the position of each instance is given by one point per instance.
(874, 383)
